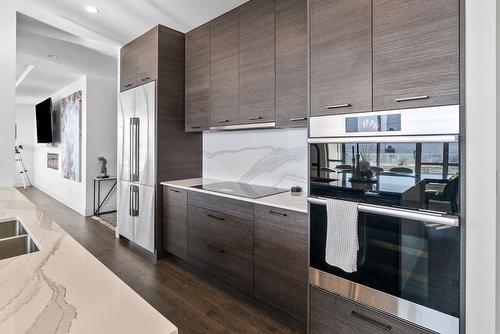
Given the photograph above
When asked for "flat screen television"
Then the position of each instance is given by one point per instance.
(43, 112)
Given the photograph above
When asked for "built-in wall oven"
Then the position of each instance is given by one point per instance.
(403, 170)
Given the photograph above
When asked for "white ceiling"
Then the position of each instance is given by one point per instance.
(88, 43)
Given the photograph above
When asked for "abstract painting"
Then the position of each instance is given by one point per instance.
(71, 136)
(53, 161)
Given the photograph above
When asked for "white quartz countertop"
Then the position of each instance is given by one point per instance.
(63, 288)
(285, 201)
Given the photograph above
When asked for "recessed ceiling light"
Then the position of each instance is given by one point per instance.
(91, 9)
(52, 56)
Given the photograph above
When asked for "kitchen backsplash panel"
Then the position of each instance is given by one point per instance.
(271, 157)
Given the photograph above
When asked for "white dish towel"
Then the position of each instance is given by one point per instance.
(342, 234)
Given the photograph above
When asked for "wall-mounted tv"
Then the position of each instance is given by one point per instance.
(43, 112)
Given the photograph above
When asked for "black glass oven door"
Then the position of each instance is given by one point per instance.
(412, 260)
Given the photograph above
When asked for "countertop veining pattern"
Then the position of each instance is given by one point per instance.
(285, 200)
(63, 288)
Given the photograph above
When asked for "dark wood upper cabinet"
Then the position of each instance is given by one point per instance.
(291, 63)
(198, 79)
(257, 62)
(341, 56)
(139, 60)
(280, 259)
(224, 69)
(147, 56)
(415, 53)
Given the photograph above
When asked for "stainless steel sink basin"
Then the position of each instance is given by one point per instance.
(15, 239)
(11, 228)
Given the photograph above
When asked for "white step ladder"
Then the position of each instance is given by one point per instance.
(21, 168)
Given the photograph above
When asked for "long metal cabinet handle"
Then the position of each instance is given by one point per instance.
(296, 119)
(413, 98)
(428, 217)
(336, 106)
(371, 321)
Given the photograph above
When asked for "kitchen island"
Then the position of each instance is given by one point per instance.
(62, 288)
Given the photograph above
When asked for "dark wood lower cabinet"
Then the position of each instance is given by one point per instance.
(221, 245)
(175, 221)
(332, 314)
(280, 259)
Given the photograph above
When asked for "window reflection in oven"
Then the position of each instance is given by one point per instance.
(413, 175)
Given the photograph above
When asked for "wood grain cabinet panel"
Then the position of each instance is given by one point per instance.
(234, 207)
(331, 314)
(280, 259)
(257, 62)
(224, 69)
(146, 48)
(198, 79)
(175, 221)
(221, 245)
(128, 68)
(415, 53)
(341, 56)
(291, 63)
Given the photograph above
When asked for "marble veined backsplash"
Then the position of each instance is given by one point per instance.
(271, 157)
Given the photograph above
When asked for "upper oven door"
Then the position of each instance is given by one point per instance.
(417, 175)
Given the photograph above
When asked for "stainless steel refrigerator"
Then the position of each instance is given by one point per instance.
(136, 165)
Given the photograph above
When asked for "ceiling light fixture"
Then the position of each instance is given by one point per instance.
(52, 56)
(91, 9)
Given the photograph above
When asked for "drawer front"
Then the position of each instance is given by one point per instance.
(175, 221)
(225, 205)
(280, 259)
(221, 245)
(335, 315)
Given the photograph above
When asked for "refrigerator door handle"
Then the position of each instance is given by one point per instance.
(134, 149)
(130, 204)
(134, 199)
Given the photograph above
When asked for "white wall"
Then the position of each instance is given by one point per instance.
(481, 167)
(101, 136)
(7, 94)
(272, 157)
(98, 139)
(25, 122)
(68, 192)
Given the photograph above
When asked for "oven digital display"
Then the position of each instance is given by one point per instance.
(379, 123)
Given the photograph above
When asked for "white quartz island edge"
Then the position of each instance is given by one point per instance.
(285, 201)
(63, 288)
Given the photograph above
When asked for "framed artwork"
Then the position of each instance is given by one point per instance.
(71, 136)
(53, 161)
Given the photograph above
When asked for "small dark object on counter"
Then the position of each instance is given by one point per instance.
(296, 190)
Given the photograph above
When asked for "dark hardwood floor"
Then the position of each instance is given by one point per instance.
(187, 299)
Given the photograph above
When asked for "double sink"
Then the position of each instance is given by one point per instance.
(15, 240)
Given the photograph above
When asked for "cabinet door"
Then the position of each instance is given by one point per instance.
(331, 314)
(175, 221)
(291, 63)
(341, 56)
(221, 245)
(280, 259)
(128, 67)
(257, 62)
(415, 53)
(198, 79)
(224, 69)
(146, 48)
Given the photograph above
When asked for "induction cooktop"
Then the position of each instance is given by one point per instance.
(241, 189)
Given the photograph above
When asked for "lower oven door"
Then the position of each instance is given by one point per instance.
(409, 268)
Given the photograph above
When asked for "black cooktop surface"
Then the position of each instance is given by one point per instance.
(241, 189)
